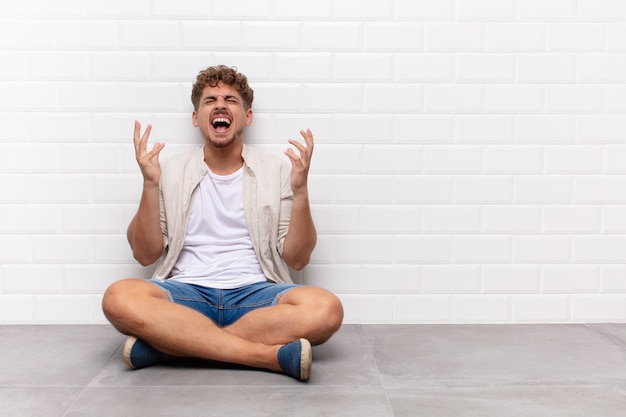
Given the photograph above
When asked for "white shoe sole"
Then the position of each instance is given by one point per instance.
(128, 346)
(306, 358)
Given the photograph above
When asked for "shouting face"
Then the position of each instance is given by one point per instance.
(221, 116)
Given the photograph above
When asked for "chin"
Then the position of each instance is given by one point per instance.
(221, 142)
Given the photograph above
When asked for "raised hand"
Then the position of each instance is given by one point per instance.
(300, 163)
(148, 161)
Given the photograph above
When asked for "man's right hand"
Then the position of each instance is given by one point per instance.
(144, 231)
(148, 161)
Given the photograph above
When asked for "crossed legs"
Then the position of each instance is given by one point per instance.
(141, 309)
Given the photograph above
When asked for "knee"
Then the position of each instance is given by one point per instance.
(329, 314)
(117, 303)
(334, 312)
(112, 300)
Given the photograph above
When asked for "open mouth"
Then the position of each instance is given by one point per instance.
(220, 124)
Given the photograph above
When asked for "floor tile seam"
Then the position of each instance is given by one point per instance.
(392, 386)
(445, 384)
(96, 375)
(614, 340)
(371, 352)
(48, 386)
(70, 406)
(237, 385)
(380, 376)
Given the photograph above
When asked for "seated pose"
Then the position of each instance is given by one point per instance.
(225, 223)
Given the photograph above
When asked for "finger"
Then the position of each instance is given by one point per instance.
(298, 145)
(156, 150)
(297, 162)
(292, 155)
(308, 138)
(141, 142)
(302, 159)
(137, 134)
(146, 135)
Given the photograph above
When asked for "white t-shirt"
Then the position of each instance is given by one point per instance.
(218, 251)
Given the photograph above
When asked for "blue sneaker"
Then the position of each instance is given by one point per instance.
(138, 354)
(295, 359)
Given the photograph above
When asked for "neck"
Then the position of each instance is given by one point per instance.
(223, 161)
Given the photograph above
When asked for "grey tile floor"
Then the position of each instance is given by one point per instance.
(364, 370)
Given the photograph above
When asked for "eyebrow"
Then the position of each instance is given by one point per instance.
(226, 97)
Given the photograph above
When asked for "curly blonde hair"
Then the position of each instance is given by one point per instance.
(211, 76)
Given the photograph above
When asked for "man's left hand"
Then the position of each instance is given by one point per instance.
(300, 163)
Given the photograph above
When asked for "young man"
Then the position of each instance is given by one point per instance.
(224, 222)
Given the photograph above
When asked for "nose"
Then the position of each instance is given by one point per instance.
(220, 103)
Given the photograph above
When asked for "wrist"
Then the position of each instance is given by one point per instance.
(301, 193)
(150, 185)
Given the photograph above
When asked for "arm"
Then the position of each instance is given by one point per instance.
(301, 236)
(144, 230)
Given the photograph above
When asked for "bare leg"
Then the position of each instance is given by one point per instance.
(139, 308)
(303, 312)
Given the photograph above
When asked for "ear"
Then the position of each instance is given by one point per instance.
(194, 119)
(249, 117)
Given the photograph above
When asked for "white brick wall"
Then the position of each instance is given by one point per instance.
(470, 161)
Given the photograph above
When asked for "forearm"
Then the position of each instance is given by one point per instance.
(144, 231)
(301, 236)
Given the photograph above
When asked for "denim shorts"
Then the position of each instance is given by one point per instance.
(224, 307)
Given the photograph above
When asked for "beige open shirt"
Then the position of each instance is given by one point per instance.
(267, 201)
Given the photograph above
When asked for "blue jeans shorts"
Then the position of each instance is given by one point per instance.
(224, 307)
